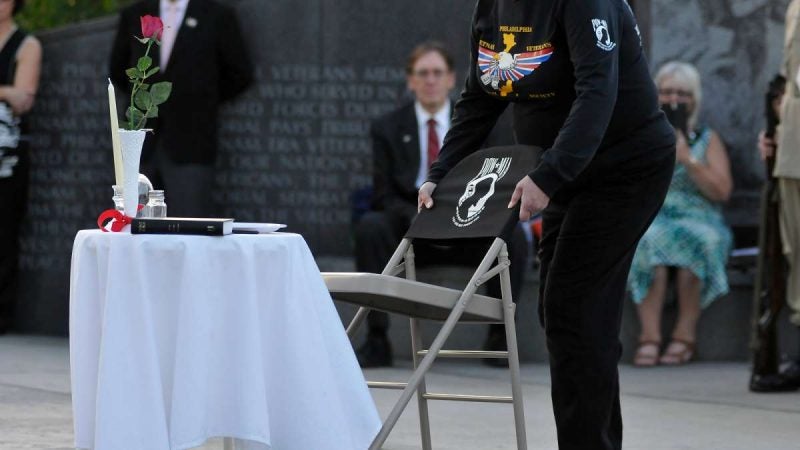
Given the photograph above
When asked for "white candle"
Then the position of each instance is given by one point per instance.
(112, 102)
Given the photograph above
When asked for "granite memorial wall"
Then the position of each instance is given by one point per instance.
(295, 146)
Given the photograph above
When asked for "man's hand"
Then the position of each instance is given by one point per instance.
(532, 198)
(766, 146)
(425, 195)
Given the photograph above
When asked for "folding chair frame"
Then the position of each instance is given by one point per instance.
(403, 261)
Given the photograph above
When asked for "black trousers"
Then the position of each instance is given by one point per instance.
(188, 188)
(13, 202)
(590, 232)
(378, 233)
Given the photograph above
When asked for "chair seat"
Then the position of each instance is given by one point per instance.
(411, 298)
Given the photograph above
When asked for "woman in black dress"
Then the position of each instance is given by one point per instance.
(577, 75)
(20, 64)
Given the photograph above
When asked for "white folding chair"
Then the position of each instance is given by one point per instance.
(470, 204)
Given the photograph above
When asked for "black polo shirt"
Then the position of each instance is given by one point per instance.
(577, 75)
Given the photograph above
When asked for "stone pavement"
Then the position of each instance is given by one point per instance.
(700, 406)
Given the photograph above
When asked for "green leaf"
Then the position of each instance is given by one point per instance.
(160, 92)
(152, 113)
(143, 100)
(152, 72)
(132, 73)
(134, 114)
(145, 62)
(142, 40)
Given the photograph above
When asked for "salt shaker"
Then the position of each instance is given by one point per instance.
(156, 207)
(119, 203)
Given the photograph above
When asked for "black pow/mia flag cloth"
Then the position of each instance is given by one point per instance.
(472, 200)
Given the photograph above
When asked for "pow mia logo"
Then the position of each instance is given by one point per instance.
(479, 190)
(603, 36)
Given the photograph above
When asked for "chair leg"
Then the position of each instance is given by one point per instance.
(422, 402)
(416, 346)
(513, 353)
(436, 346)
(419, 372)
(358, 319)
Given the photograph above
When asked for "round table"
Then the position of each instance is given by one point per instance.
(175, 339)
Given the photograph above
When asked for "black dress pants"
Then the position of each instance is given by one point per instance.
(590, 232)
(13, 202)
(378, 233)
(188, 188)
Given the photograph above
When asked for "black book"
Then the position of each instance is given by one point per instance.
(182, 225)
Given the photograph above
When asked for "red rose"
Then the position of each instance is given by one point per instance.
(152, 27)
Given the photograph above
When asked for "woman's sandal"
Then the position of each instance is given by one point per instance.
(644, 358)
(683, 354)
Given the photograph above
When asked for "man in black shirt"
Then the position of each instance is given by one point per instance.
(577, 75)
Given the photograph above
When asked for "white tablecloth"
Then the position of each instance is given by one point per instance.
(175, 339)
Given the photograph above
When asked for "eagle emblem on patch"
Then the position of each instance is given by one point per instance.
(503, 66)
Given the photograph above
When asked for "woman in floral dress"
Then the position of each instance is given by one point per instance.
(689, 233)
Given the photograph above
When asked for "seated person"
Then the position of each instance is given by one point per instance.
(688, 234)
(405, 143)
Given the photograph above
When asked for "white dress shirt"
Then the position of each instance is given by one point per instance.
(442, 118)
(171, 13)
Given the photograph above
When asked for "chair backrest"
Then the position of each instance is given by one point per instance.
(471, 201)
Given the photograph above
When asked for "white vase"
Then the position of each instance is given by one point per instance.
(131, 142)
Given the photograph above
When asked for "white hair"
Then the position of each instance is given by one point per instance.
(688, 77)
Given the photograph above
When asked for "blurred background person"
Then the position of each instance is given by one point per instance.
(786, 149)
(772, 268)
(20, 65)
(405, 143)
(689, 233)
(203, 54)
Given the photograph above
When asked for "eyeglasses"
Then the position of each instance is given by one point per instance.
(680, 93)
(425, 73)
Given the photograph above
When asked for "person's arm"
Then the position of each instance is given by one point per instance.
(119, 61)
(596, 71)
(21, 94)
(474, 116)
(235, 66)
(713, 177)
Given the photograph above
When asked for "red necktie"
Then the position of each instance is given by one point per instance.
(433, 142)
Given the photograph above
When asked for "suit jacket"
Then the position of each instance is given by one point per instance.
(396, 158)
(208, 65)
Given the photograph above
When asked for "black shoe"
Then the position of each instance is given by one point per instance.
(496, 342)
(792, 374)
(772, 383)
(375, 352)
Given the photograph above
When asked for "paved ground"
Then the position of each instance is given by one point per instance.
(700, 406)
